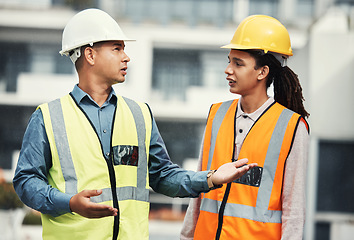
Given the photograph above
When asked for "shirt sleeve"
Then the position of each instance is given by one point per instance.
(293, 216)
(30, 180)
(193, 210)
(168, 178)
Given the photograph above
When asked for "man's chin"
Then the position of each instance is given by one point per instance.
(119, 81)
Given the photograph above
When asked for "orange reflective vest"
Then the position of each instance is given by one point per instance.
(249, 207)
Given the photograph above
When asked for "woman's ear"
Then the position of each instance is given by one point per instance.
(263, 72)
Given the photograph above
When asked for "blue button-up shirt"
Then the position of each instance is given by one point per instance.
(31, 181)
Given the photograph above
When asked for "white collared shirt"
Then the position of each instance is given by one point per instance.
(244, 122)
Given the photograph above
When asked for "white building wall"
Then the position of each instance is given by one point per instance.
(331, 104)
(138, 83)
(331, 86)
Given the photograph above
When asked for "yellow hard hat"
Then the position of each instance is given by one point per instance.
(261, 32)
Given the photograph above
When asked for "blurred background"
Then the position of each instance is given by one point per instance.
(178, 68)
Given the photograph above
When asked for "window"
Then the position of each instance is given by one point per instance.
(14, 60)
(46, 59)
(182, 138)
(174, 71)
(267, 7)
(215, 12)
(335, 176)
(213, 65)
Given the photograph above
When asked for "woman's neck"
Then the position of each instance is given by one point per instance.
(250, 104)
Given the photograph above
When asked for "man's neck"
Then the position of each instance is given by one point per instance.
(99, 93)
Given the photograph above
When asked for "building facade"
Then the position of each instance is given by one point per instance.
(177, 67)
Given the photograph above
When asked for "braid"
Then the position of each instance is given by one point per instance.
(288, 91)
(287, 88)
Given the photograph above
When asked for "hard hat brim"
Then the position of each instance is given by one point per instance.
(242, 47)
(66, 51)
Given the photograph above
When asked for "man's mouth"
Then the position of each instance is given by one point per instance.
(124, 70)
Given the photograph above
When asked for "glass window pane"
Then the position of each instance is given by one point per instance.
(174, 71)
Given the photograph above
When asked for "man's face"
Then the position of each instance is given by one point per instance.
(111, 62)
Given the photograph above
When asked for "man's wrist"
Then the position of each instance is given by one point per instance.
(210, 182)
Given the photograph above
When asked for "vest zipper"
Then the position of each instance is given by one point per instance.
(221, 211)
(112, 177)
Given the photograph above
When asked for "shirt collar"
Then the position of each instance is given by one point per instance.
(256, 114)
(79, 95)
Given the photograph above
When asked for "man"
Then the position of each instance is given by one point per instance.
(88, 158)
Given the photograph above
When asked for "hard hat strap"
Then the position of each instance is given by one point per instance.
(283, 59)
(75, 55)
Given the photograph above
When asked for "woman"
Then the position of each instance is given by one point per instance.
(269, 201)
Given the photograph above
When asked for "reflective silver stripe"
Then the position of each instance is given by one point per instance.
(260, 212)
(142, 163)
(104, 197)
(124, 193)
(218, 118)
(127, 193)
(210, 205)
(62, 144)
(240, 211)
(270, 165)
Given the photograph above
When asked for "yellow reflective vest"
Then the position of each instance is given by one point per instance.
(78, 163)
(249, 207)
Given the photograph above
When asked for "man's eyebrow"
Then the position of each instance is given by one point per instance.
(119, 44)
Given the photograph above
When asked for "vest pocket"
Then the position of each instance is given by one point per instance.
(126, 155)
(252, 177)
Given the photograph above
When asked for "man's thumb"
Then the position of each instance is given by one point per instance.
(92, 193)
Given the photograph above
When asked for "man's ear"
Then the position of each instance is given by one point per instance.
(263, 72)
(89, 54)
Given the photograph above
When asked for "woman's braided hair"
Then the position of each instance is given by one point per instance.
(287, 88)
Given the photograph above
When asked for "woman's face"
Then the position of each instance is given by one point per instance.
(241, 73)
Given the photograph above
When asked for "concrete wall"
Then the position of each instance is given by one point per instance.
(331, 74)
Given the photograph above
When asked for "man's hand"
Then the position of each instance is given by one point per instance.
(80, 203)
(231, 171)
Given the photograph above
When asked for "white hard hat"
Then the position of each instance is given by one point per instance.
(87, 27)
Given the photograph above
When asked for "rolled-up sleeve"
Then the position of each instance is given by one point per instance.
(30, 180)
